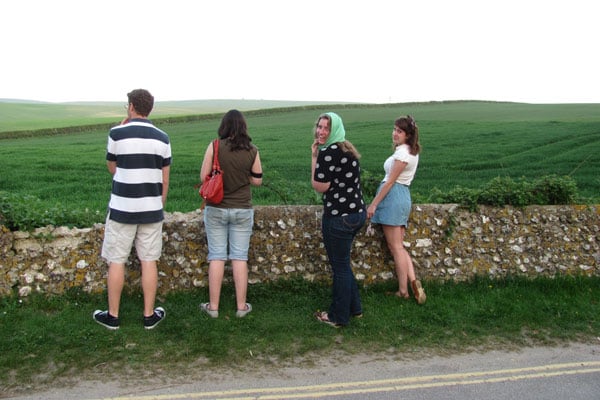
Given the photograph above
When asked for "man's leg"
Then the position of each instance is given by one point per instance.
(149, 286)
(115, 282)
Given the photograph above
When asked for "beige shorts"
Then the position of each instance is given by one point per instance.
(119, 239)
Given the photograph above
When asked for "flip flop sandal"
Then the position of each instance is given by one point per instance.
(322, 316)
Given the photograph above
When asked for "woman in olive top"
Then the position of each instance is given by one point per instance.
(228, 225)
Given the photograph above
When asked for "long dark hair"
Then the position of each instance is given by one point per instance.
(234, 128)
(408, 125)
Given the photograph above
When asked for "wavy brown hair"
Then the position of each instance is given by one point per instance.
(409, 126)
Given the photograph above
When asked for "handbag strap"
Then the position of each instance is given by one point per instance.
(216, 164)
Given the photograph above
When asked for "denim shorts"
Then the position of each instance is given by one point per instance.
(119, 238)
(228, 228)
(395, 207)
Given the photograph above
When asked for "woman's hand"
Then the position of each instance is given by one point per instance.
(315, 148)
(371, 210)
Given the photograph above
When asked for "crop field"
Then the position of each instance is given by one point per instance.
(465, 143)
(19, 116)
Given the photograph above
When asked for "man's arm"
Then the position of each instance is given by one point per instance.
(166, 171)
(112, 167)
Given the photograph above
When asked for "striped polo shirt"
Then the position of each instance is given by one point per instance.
(140, 150)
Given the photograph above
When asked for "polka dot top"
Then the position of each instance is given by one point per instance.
(342, 170)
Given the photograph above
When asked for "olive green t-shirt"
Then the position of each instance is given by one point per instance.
(236, 167)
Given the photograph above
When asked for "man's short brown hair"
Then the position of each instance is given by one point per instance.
(142, 101)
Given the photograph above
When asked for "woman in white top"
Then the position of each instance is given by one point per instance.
(392, 204)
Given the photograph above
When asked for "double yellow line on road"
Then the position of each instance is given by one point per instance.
(386, 385)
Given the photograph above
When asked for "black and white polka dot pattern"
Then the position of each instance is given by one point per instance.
(342, 170)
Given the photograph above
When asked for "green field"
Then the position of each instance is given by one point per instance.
(20, 116)
(464, 143)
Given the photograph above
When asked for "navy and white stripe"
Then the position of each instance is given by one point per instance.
(141, 151)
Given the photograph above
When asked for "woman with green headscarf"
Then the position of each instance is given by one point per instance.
(336, 174)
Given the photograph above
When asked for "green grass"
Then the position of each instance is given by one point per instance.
(465, 144)
(46, 338)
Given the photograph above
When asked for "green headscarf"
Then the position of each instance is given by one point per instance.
(337, 132)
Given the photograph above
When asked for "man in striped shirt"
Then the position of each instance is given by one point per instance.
(139, 158)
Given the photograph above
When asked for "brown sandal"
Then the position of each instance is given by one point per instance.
(418, 291)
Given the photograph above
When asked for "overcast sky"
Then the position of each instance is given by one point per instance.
(316, 50)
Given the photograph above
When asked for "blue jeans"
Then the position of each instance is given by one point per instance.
(338, 235)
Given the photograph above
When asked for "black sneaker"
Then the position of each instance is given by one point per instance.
(153, 320)
(106, 320)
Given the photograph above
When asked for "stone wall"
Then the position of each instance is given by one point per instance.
(445, 242)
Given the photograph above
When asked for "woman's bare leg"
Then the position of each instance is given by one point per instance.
(216, 270)
(240, 279)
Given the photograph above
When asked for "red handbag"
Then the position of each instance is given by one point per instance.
(212, 187)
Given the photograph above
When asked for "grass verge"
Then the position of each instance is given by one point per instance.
(44, 339)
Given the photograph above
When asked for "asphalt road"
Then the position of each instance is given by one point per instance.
(570, 371)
